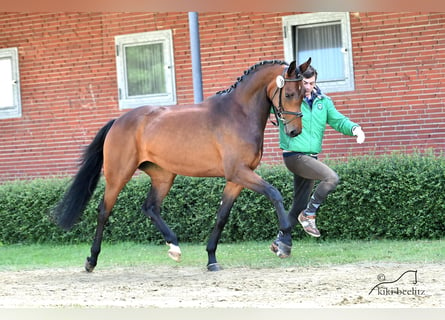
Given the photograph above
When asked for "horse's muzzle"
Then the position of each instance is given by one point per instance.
(293, 133)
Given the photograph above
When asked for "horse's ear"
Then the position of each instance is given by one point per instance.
(292, 68)
(305, 65)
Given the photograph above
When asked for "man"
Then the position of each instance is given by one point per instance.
(300, 154)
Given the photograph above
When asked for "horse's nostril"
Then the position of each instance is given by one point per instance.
(294, 133)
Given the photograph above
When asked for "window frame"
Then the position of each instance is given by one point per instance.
(144, 38)
(14, 111)
(317, 19)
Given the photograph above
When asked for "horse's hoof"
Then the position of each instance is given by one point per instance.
(274, 247)
(175, 256)
(281, 249)
(88, 266)
(174, 252)
(214, 267)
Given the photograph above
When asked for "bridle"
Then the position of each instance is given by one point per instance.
(279, 111)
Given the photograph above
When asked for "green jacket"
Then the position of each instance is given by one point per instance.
(314, 124)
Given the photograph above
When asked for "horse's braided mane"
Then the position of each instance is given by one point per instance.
(248, 71)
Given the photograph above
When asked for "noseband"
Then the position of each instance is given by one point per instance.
(279, 111)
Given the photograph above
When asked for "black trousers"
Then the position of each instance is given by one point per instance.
(308, 169)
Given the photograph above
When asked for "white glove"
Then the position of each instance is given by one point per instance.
(358, 132)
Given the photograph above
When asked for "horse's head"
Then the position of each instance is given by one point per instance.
(288, 96)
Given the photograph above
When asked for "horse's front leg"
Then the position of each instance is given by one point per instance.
(282, 246)
(231, 192)
(249, 179)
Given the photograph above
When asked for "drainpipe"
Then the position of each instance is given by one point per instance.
(196, 56)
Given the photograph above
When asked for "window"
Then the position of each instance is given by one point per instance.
(326, 38)
(10, 104)
(145, 70)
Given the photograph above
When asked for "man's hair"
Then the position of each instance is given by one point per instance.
(310, 72)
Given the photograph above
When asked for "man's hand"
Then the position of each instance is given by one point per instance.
(358, 132)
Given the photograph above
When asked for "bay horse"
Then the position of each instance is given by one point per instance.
(220, 137)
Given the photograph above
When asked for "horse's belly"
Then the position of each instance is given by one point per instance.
(190, 166)
(185, 158)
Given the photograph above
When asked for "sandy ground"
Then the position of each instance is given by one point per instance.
(187, 287)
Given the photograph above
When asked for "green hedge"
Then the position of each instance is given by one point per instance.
(395, 197)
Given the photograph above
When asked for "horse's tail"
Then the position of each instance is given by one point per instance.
(70, 207)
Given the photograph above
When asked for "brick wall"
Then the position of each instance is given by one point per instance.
(399, 65)
(69, 84)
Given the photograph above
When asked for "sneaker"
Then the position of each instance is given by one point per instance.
(308, 223)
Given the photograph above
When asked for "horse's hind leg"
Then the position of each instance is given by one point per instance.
(231, 192)
(161, 182)
(102, 218)
(115, 181)
(104, 210)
